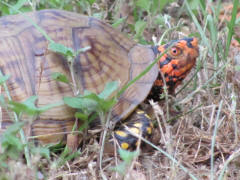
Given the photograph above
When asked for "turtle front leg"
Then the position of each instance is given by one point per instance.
(139, 123)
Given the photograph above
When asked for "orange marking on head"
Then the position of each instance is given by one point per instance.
(182, 44)
(167, 68)
(167, 79)
(158, 82)
(178, 61)
(194, 42)
(175, 61)
(162, 59)
(161, 49)
(177, 73)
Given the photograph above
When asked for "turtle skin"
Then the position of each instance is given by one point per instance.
(24, 55)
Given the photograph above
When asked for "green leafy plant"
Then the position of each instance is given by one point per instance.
(127, 157)
(90, 102)
(3, 79)
(60, 77)
(29, 107)
(11, 145)
(65, 156)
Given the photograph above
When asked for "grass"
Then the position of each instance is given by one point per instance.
(203, 143)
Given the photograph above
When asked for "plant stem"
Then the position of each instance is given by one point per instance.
(103, 139)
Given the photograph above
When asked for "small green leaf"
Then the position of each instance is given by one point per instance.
(194, 5)
(106, 105)
(29, 106)
(155, 6)
(9, 139)
(66, 51)
(120, 168)
(3, 165)
(109, 88)
(203, 3)
(92, 102)
(65, 156)
(128, 156)
(80, 103)
(60, 48)
(13, 129)
(43, 151)
(17, 107)
(17, 6)
(81, 116)
(139, 27)
(237, 68)
(13, 141)
(163, 3)
(4, 10)
(3, 79)
(73, 102)
(237, 38)
(60, 77)
(144, 4)
(102, 104)
(118, 22)
(2, 100)
(91, 2)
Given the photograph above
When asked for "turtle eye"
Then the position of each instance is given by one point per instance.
(175, 51)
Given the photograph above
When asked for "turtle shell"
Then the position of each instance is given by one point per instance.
(24, 55)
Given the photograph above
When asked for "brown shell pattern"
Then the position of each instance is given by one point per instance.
(24, 56)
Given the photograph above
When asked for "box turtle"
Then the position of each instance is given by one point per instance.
(24, 55)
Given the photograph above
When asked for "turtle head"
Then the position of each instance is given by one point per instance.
(176, 63)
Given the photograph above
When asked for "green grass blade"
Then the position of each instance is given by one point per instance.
(199, 27)
(214, 140)
(231, 26)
